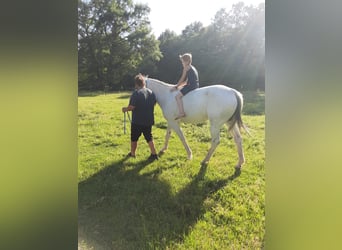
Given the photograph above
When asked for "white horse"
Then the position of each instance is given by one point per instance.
(218, 103)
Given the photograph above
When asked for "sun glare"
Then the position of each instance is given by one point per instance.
(177, 14)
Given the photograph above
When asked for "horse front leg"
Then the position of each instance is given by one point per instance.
(167, 138)
(180, 134)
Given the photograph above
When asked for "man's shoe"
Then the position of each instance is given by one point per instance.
(130, 155)
(153, 157)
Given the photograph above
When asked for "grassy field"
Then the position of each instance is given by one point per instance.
(171, 203)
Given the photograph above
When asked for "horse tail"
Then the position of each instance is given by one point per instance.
(236, 117)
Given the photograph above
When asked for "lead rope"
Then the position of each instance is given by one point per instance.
(129, 118)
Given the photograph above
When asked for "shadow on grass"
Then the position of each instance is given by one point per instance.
(122, 209)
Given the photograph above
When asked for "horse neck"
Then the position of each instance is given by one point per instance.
(161, 90)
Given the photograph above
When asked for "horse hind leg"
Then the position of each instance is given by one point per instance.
(215, 141)
(235, 132)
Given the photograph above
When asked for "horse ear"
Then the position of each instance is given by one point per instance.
(145, 76)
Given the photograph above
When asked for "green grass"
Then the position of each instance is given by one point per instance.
(171, 203)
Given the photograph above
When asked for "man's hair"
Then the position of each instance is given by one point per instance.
(140, 80)
(187, 57)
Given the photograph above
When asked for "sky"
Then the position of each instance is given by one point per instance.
(177, 14)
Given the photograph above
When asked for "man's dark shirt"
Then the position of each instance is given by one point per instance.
(143, 100)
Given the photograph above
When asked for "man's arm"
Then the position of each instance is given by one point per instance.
(182, 79)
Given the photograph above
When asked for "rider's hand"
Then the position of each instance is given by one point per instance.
(174, 88)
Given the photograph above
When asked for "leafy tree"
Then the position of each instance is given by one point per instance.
(192, 30)
(169, 66)
(230, 51)
(115, 41)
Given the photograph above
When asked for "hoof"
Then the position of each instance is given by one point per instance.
(237, 170)
(180, 116)
(204, 163)
(163, 149)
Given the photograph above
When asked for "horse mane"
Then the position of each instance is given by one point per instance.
(161, 82)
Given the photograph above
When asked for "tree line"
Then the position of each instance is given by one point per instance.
(115, 42)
